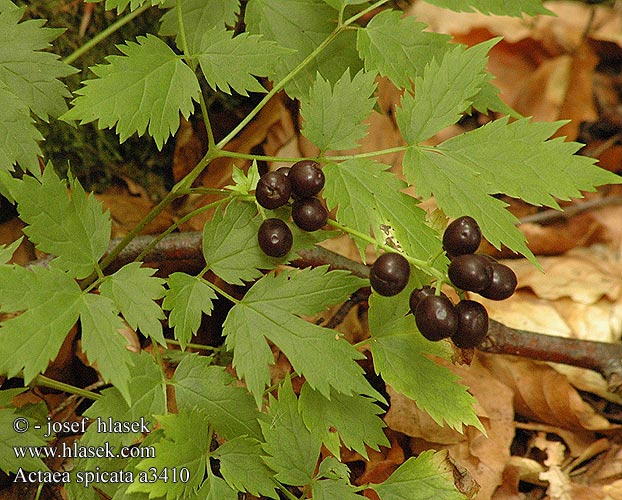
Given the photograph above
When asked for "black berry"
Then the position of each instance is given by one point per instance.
(273, 190)
(503, 283)
(389, 274)
(462, 236)
(417, 295)
(275, 237)
(309, 214)
(470, 272)
(472, 324)
(307, 178)
(436, 317)
(283, 170)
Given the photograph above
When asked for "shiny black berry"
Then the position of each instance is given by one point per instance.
(307, 178)
(472, 324)
(503, 283)
(275, 237)
(273, 190)
(436, 317)
(389, 274)
(462, 236)
(470, 272)
(417, 295)
(309, 214)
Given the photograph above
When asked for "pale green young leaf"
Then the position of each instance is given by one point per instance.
(232, 63)
(333, 114)
(9, 440)
(498, 7)
(198, 17)
(302, 25)
(400, 356)
(50, 300)
(292, 448)
(323, 358)
(444, 92)
(354, 417)
(464, 173)
(102, 342)
(28, 70)
(244, 183)
(241, 465)
(367, 197)
(333, 489)
(187, 298)
(186, 444)
(420, 478)
(74, 227)
(134, 290)
(398, 47)
(7, 251)
(146, 89)
(215, 488)
(230, 409)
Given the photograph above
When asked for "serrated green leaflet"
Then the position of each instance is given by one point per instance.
(51, 301)
(102, 342)
(11, 440)
(399, 353)
(444, 93)
(146, 89)
(121, 5)
(244, 182)
(186, 444)
(464, 172)
(420, 478)
(231, 62)
(333, 489)
(241, 465)
(499, 7)
(198, 17)
(340, 4)
(398, 48)
(7, 251)
(366, 197)
(354, 417)
(333, 114)
(323, 358)
(187, 298)
(229, 408)
(215, 488)
(134, 290)
(293, 450)
(73, 227)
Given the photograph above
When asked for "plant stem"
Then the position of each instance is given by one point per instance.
(100, 37)
(44, 381)
(201, 347)
(181, 29)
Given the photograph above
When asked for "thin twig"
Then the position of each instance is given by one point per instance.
(549, 216)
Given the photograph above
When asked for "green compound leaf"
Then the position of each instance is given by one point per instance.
(301, 25)
(10, 441)
(148, 86)
(242, 466)
(187, 298)
(292, 448)
(354, 417)
(333, 114)
(134, 290)
(73, 227)
(420, 478)
(516, 158)
(398, 48)
(444, 93)
(499, 7)
(102, 342)
(367, 197)
(198, 16)
(231, 62)
(333, 489)
(399, 353)
(50, 300)
(215, 488)
(325, 360)
(186, 444)
(229, 408)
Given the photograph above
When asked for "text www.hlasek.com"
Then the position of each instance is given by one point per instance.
(74, 450)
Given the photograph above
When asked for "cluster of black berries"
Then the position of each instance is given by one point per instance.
(301, 182)
(435, 315)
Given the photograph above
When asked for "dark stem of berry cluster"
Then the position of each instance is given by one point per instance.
(183, 252)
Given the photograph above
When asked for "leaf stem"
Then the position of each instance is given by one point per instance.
(100, 37)
(182, 29)
(201, 347)
(44, 381)
(219, 290)
(364, 12)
